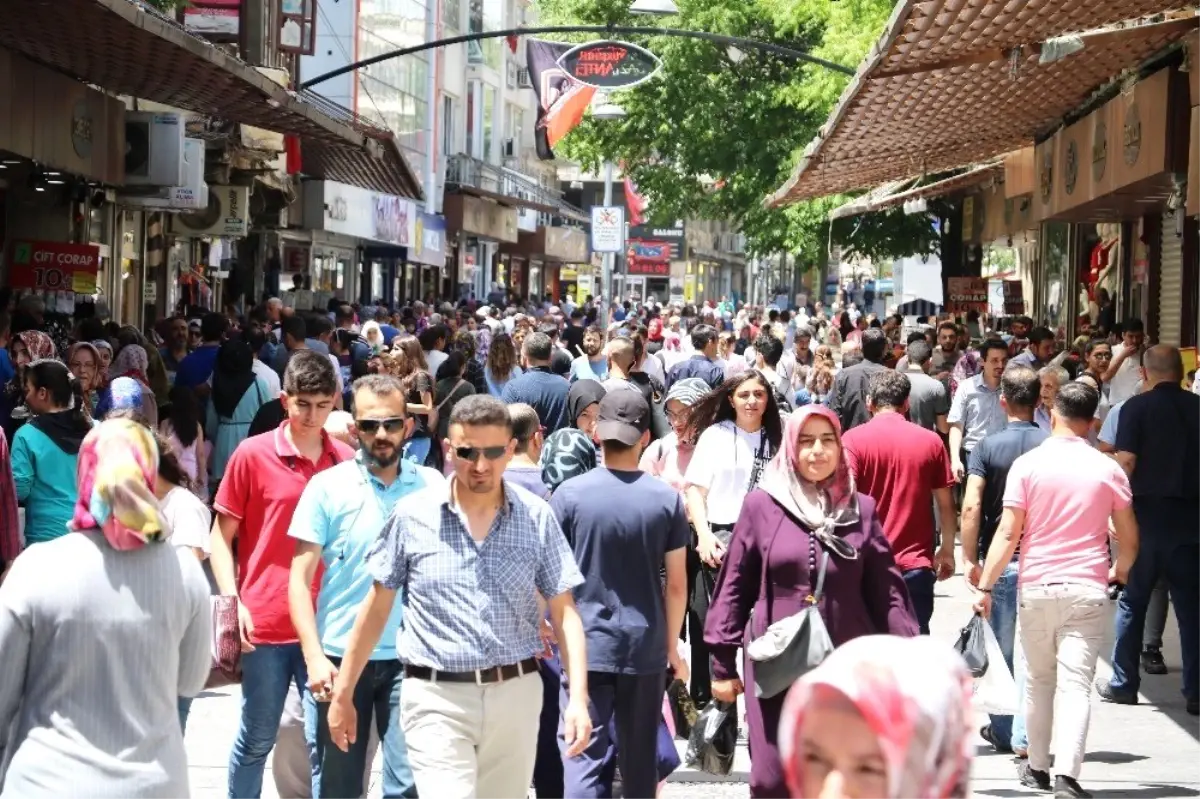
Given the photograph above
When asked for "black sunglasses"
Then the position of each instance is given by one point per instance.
(371, 426)
(473, 454)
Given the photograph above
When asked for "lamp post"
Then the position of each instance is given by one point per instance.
(607, 111)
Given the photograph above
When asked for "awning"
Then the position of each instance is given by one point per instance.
(959, 82)
(130, 49)
(877, 201)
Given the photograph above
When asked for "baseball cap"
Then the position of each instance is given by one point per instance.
(624, 416)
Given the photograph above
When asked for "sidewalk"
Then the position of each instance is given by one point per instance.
(1150, 750)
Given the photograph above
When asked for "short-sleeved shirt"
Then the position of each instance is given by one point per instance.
(584, 369)
(726, 461)
(1124, 383)
(620, 554)
(528, 478)
(545, 392)
(471, 605)
(900, 464)
(1162, 428)
(1108, 430)
(848, 397)
(699, 366)
(343, 510)
(928, 398)
(262, 485)
(991, 461)
(1068, 492)
(977, 408)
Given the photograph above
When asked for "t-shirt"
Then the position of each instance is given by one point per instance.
(190, 520)
(726, 461)
(584, 369)
(900, 464)
(572, 337)
(992, 460)
(546, 392)
(261, 488)
(197, 367)
(1066, 510)
(928, 398)
(528, 478)
(435, 358)
(848, 397)
(621, 554)
(1124, 383)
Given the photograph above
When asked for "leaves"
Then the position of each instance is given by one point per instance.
(717, 131)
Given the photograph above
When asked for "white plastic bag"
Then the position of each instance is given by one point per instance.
(996, 691)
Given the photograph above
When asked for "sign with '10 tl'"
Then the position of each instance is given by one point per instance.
(54, 266)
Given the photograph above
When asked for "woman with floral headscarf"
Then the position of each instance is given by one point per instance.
(24, 349)
(883, 717)
(804, 509)
(131, 362)
(101, 632)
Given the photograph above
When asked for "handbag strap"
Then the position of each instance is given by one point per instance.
(766, 592)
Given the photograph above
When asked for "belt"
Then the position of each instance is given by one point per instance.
(479, 676)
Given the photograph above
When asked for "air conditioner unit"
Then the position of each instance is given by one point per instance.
(154, 149)
(227, 214)
(511, 75)
(191, 196)
(524, 81)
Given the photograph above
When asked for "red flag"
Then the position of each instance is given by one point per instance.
(634, 202)
(512, 43)
(291, 150)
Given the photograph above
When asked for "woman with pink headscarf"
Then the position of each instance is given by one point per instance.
(882, 717)
(804, 509)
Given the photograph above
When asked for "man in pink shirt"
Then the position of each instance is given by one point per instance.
(1058, 502)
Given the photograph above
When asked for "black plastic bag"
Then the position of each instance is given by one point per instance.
(972, 646)
(713, 741)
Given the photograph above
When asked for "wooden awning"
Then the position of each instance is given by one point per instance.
(879, 200)
(958, 82)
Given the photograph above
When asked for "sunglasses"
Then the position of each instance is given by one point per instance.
(473, 454)
(371, 426)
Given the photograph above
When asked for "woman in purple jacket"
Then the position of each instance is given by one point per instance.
(805, 504)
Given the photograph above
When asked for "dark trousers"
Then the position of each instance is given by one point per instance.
(377, 695)
(701, 580)
(920, 584)
(548, 767)
(631, 706)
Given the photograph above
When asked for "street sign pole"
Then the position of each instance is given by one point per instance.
(607, 266)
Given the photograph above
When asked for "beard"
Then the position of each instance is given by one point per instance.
(383, 461)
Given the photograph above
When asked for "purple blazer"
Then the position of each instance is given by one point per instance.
(862, 597)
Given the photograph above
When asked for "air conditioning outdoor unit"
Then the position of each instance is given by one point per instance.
(191, 196)
(524, 80)
(227, 214)
(154, 149)
(511, 75)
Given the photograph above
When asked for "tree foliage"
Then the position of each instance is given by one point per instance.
(718, 131)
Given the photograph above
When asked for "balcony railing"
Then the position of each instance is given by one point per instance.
(463, 170)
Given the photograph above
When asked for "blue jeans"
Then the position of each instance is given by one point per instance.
(377, 694)
(1009, 731)
(920, 584)
(266, 673)
(185, 707)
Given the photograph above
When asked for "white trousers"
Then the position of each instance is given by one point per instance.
(1062, 629)
(467, 741)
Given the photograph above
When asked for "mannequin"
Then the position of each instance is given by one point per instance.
(1105, 257)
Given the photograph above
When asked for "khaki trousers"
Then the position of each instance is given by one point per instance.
(467, 741)
(1062, 629)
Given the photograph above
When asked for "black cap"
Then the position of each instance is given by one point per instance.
(624, 416)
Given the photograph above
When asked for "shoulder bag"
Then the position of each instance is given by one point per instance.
(790, 647)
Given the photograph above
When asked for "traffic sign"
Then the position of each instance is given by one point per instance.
(608, 228)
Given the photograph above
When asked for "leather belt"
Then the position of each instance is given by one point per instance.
(479, 677)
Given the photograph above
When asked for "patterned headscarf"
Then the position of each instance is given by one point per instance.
(119, 499)
(689, 391)
(131, 361)
(126, 394)
(914, 693)
(567, 453)
(38, 344)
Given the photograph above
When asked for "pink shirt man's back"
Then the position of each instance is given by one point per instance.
(1068, 491)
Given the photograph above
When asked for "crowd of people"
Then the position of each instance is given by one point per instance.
(480, 537)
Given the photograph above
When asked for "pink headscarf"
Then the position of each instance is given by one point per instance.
(119, 499)
(914, 693)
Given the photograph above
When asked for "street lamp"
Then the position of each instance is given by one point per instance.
(654, 8)
(607, 111)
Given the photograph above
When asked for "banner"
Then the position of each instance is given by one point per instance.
(1014, 299)
(562, 100)
(54, 266)
(967, 294)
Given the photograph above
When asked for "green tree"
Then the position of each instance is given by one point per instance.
(720, 129)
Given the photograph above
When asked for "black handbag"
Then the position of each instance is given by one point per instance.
(972, 645)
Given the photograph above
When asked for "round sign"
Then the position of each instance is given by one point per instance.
(609, 64)
(1071, 172)
(81, 129)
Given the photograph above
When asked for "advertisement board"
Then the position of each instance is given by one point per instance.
(54, 266)
(967, 294)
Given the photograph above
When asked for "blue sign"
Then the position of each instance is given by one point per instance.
(429, 244)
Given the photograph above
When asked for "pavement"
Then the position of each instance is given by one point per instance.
(1150, 750)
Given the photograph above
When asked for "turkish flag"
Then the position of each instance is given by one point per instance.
(291, 150)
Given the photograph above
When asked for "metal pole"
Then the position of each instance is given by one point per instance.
(607, 261)
(430, 110)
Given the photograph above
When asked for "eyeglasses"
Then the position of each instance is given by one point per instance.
(1105, 356)
(371, 426)
(473, 454)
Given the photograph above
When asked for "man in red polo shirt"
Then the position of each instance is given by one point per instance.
(905, 469)
(258, 495)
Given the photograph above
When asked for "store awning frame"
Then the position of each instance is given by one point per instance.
(125, 48)
(975, 176)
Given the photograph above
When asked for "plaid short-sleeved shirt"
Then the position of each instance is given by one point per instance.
(470, 605)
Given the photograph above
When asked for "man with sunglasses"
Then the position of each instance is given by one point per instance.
(335, 525)
(473, 555)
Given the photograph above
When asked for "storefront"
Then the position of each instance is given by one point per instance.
(478, 227)
(429, 251)
(535, 260)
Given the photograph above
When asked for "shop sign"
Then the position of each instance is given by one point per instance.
(54, 266)
(213, 18)
(395, 219)
(1071, 167)
(609, 64)
(674, 237)
(565, 244)
(1014, 298)
(652, 268)
(361, 213)
(1099, 147)
(429, 243)
(968, 218)
(967, 294)
(296, 259)
(81, 129)
(1046, 174)
(1131, 135)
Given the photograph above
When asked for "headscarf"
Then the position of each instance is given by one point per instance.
(567, 453)
(102, 345)
(92, 395)
(119, 499)
(374, 343)
(126, 394)
(823, 507)
(583, 394)
(131, 361)
(914, 693)
(689, 391)
(38, 344)
(233, 375)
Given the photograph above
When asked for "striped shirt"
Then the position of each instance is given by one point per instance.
(11, 540)
(471, 605)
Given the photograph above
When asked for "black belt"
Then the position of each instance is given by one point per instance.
(479, 677)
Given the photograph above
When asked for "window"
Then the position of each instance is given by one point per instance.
(472, 124)
(448, 127)
(489, 121)
(452, 17)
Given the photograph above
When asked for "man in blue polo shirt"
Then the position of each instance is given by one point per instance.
(336, 523)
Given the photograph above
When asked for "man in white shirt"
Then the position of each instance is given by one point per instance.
(1124, 371)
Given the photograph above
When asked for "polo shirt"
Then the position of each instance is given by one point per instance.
(991, 461)
(545, 392)
(1162, 428)
(261, 487)
(343, 510)
(976, 407)
(900, 464)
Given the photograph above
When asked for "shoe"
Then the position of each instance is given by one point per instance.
(1067, 788)
(1193, 707)
(988, 735)
(1152, 661)
(1032, 778)
(1107, 694)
